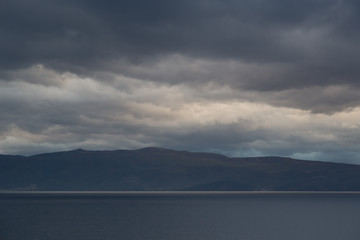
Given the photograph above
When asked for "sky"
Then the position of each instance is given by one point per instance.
(236, 77)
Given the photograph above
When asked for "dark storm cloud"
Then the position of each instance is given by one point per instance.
(85, 36)
(71, 31)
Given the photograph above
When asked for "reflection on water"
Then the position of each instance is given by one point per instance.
(183, 217)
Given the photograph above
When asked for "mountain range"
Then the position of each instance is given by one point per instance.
(158, 169)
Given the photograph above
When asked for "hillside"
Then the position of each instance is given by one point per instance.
(164, 169)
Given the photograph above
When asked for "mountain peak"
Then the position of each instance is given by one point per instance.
(78, 150)
(154, 149)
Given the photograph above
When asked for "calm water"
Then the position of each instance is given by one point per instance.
(183, 217)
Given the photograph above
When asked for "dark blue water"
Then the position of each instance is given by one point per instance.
(183, 217)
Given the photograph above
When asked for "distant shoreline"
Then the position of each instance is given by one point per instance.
(170, 193)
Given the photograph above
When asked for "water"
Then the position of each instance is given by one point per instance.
(183, 217)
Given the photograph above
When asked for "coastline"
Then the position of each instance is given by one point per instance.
(170, 193)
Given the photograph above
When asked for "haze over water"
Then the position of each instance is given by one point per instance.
(276, 216)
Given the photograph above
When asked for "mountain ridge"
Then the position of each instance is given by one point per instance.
(160, 169)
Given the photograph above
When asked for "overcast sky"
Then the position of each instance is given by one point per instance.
(237, 77)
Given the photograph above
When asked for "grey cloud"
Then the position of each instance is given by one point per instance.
(273, 83)
(82, 35)
(294, 44)
(51, 118)
(318, 100)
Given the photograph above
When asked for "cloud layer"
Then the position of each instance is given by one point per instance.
(242, 78)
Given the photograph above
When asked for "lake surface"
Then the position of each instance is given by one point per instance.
(187, 216)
